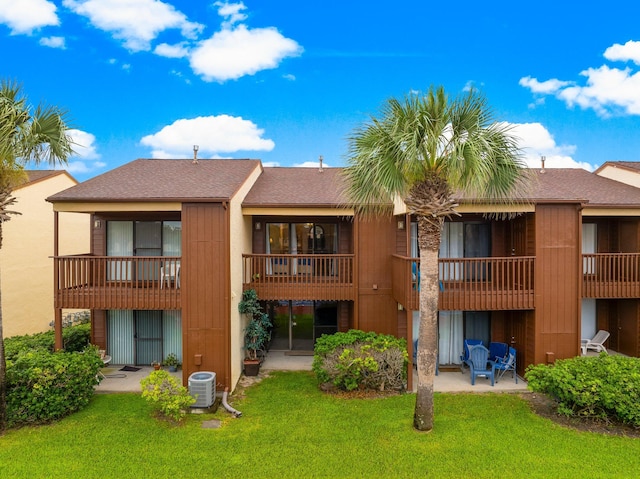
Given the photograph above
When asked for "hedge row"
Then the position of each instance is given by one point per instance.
(599, 386)
(74, 338)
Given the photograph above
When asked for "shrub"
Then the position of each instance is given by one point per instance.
(44, 386)
(599, 387)
(166, 395)
(357, 359)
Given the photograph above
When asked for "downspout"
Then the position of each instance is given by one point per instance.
(225, 404)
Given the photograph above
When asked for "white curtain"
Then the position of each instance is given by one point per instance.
(120, 334)
(589, 235)
(588, 318)
(450, 337)
(119, 243)
(293, 247)
(451, 246)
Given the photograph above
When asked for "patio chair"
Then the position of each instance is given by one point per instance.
(465, 352)
(498, 351)
(480, 365)
(506, 364)
(170, 272)
(596, 343)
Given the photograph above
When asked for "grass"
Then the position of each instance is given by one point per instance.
(291, 429)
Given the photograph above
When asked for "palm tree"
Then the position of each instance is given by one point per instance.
(423, 149)
(26, 135)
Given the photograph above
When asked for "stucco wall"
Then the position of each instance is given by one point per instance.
(240, 235)
(26, 266)
(623, 175)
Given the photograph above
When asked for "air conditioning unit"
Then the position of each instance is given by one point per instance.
(202, 386)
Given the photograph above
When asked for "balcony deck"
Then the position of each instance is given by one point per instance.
(300, 277)
(472, 284)
(611, 275)
(117, 282)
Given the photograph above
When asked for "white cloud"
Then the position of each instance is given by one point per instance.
(213, 135)
(232, 11)
(53, 42)
(25, 16)
(179, 50)
(545, 87)
(231, 54)
(135, 22)
(289, 77)
(608, 91)
(86, 157)
(311, 164)
(77, 167)
(536, 141)
(84, 146)
(626, 52)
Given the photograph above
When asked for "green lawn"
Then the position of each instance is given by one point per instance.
(290, 429)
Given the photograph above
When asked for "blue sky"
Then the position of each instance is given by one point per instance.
(287, 81)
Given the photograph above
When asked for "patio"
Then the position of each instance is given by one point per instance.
(454, 381)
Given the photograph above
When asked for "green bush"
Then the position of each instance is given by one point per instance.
(600, 386)
(74, 338)
(358, 359)
(166, 395)
(44, 386)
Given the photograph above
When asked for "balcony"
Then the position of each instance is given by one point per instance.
(611, 275)
(317, 277)
(117, 282)
(471, 284)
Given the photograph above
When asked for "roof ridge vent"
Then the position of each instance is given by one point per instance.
(320, 169)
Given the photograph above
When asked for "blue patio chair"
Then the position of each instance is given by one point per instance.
(498, 351)
(480, 365)
(465, 352)
(507, 364)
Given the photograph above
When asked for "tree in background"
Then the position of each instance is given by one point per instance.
(423, 149)
(27, 135)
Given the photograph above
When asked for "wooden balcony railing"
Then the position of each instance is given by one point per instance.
(611, 275)
(472, 284)
(117, 282)
(300, 277)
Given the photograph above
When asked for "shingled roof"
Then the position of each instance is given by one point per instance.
(163, 180)
(297, 187)
(578, 185)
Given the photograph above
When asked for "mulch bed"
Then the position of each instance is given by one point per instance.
(545, 407)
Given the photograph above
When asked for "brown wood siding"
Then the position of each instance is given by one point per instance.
(403, 236)
(628, 237)
(99, 328)
(376, 308)
(499, 242)
(98, 236)
(345, 316)
(628, 315)
(345, 237)
(205, 286)
(558, 278)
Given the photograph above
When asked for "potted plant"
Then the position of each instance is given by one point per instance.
(171, 361)
(257, 332)
(155, 364)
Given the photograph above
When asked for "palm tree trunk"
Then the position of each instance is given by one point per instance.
(429, 230)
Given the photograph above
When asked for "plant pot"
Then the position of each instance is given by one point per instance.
(156, 367)
(172, 369)
(251, 367)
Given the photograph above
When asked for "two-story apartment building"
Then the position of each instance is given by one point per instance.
(175, 242)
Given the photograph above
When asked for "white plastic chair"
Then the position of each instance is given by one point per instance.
(596, 343)
(170, 272)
